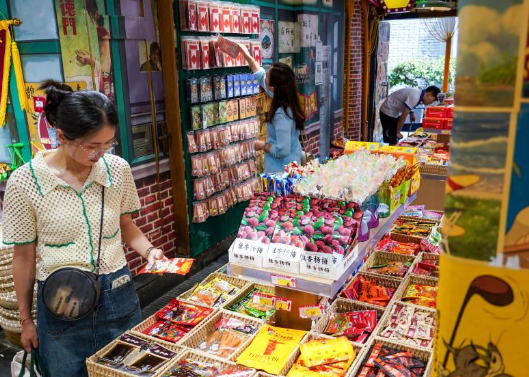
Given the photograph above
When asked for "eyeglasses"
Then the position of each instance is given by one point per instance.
(97, 151)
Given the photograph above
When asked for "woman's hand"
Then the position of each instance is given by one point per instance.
(155, 254)
(244, 51)
(29, 337)
(259, 145)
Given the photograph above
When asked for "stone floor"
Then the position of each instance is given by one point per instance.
(8, 351)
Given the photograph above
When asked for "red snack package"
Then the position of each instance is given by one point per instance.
(203, 16)
(167, 331)
(183, 313)
(179, 266)
(228, 47)
(214, 17)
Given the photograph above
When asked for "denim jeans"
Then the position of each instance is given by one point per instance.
(64, 345)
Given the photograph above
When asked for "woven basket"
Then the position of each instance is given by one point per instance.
(198, 335)
(140, 328)
(413, 279)
(14, 314)
(381, 257)
(6, 261)
(242, 294)
(6, 271)
(386, 320)
(418, 353)
(386, 281)
(8, 300)
(13, 338)
(98, 370)
(424, 257)
(433, 169)
(344, 305)
(7, 286)
(237, 282)
(263, 374)
(413, 218)
(200, 357)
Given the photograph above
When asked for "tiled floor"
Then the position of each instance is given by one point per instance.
(7, 351)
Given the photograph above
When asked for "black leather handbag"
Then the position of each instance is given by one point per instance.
(69, 293)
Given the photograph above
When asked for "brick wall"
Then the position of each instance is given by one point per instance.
(355, 86)
(160, 231)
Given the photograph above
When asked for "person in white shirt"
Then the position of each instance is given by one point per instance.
(398, 105)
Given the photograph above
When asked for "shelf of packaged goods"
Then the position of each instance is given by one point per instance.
(317, 285)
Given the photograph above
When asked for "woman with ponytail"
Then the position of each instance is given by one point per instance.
(285, 120)
(70, 209)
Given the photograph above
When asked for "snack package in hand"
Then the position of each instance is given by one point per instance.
(228, 47)
(271, 349)
(180, 266)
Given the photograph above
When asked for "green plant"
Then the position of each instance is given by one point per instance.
(431, 71)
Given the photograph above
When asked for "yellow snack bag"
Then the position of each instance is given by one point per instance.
(327, 351)
(271, 349)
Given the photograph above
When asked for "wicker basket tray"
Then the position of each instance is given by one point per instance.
(247, 289)
(386, 320)
(380, 257)
(199, 334)
(440, 221)
(413, 279)
(237, 282)
(421, 354)
(344, 305)
(385, 280)
(424, 257)
(14, 314)
(98, 370)
(263, 374)
(433, 169)
(194, 355)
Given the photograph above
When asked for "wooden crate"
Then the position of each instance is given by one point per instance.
(384, 280)
(344, 305)
(200, 357)
(198, 335)
(422, 354)
(237, 282)
(386, 320)
(98, 370)
(380, 257)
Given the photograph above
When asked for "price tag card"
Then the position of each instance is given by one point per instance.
(283, 257)
(264, 299)
(311, 311)
(283, 304)
(247, 252)
(283, 281)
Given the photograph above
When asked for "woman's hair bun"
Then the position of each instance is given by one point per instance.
(55, 93)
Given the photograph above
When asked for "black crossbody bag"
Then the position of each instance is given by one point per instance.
(69, 293)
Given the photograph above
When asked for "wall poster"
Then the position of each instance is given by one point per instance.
(267, 38)
(289, 39)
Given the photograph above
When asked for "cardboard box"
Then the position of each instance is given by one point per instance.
(435, 123)
(229, 85)
(450, 112)
(236, 85)
(448, 124)
(244, 87)
(436, 112)
(235, 109)
(242, 108)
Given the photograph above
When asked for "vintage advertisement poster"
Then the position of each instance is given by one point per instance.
(40, 134)
(288, 37)
(483, 313)
(308, 25)
(267, 38)
(84, 35)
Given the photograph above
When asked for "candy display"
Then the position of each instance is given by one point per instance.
(252, 307)
(426, 267)
(271, 349)
(395, 268)
(353, 177)
(419, 294)
(180, 266)
(410, 325)
(392, 246)
(229, 334)
(329, 357)
(421, 212)
(384, 361)
(135, 356)
(369, 290)
(414, 228)
(356, 326)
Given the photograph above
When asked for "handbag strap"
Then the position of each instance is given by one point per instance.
(35, 363)
(100, 229)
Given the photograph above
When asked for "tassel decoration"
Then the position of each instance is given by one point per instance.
(19, 75)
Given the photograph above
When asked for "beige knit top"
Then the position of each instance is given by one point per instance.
(41, 208)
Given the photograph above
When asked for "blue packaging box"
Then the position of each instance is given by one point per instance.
(229, 85)
(255, 84)
(244, 87)
(236, 85)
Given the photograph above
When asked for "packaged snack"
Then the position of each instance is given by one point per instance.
(246, 18)
(242, 108)
(411, 326)
(190, 53)
(191, 144)
(354, 325)
(223, 112)
(256, 51)
(228, 335)
(228, 47)
(244, 90)
(192, 89)
(203, 85)
(203, 16)
(167, 331)
(180, 266)
(423, 295)
(368, 290)
(226, 25)
(229, 86)
(391, 246)
(183, 314)
(196, 118)
(214, 17)
(236, 85)
(235, 109)
(199, 191)
(213, 207)
(327, 351)
(200, 212)
(397, 269)
(271, 349)
(205, 54)
(255, 20)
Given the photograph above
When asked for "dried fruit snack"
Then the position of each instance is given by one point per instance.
(357, 326)
(183, 314)
(395, 268)
(423, 295)
(180, 266)
(167, 331)
(411, 326)
(228, 335)
(369, 291)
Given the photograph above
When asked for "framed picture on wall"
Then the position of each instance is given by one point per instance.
(267, 38)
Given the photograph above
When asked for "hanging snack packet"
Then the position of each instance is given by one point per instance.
(271, 349)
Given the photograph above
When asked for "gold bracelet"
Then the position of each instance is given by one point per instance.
(148, 252)
(25, 319)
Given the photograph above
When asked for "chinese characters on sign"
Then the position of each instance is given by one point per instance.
(68, 16)
(308, 24)
(288, 37)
